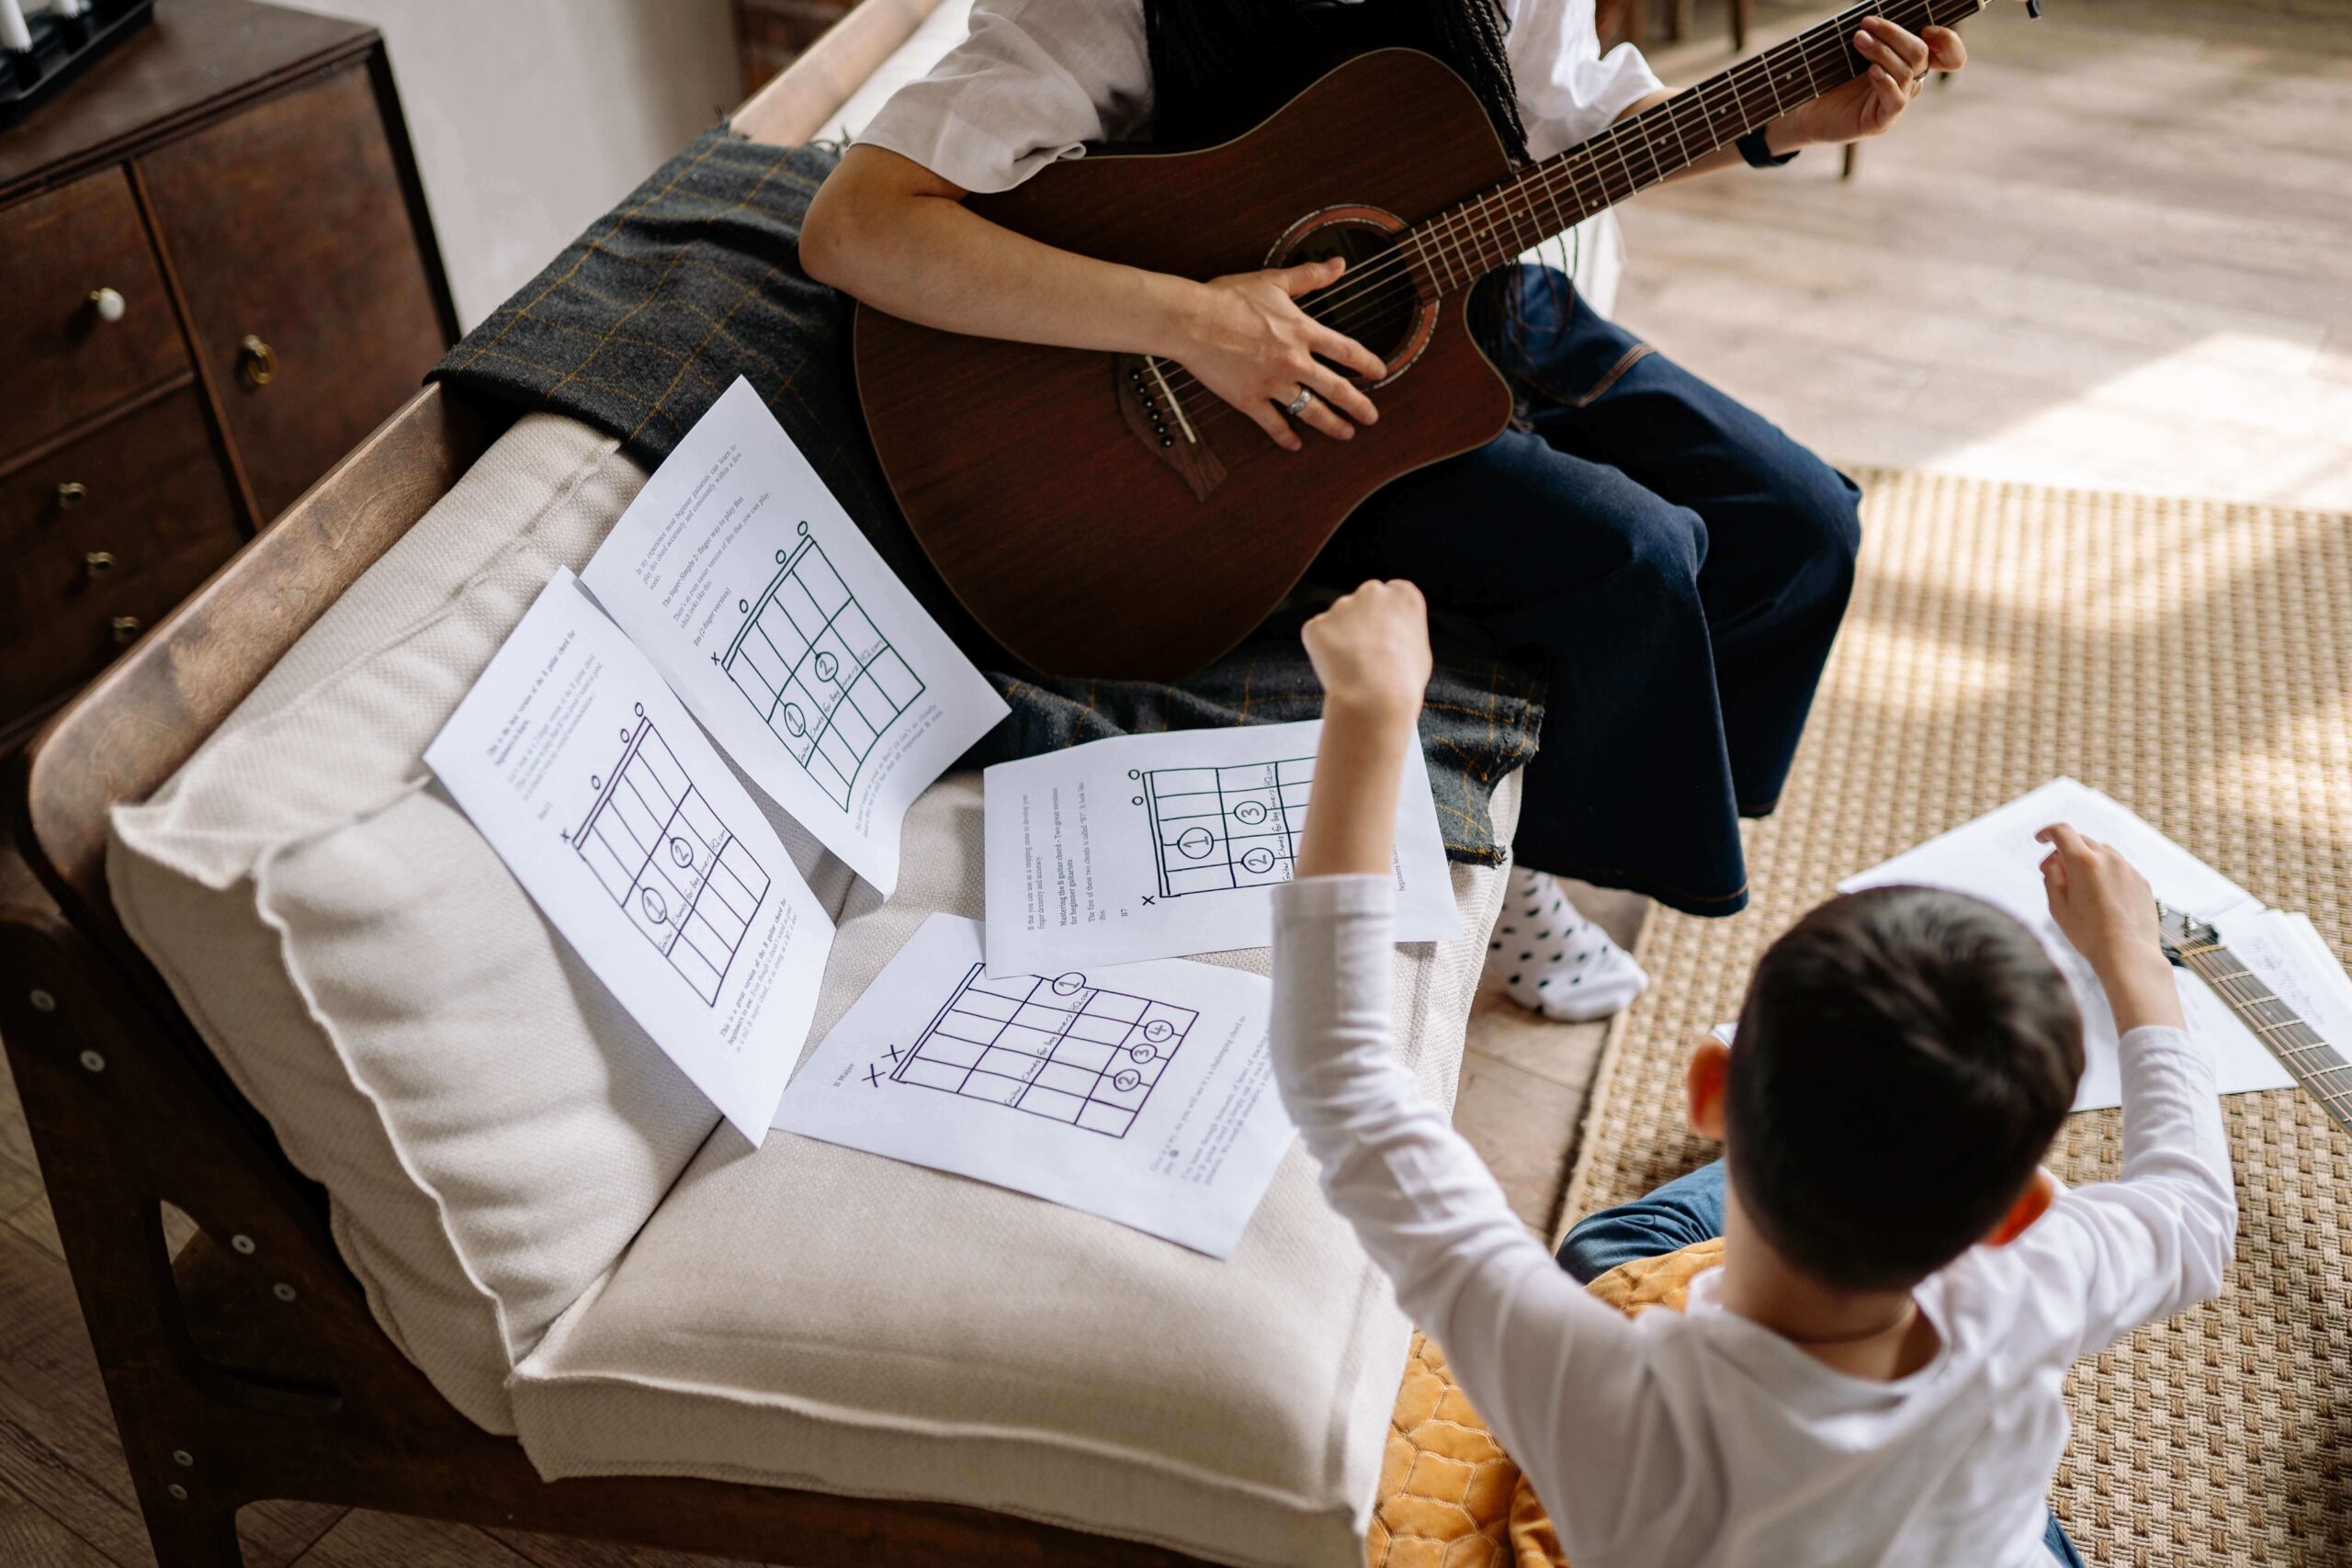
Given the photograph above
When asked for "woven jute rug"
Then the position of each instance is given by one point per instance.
(2193, 660)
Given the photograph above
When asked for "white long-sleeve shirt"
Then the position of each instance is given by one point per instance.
(1036, 80)
(1698, 1439)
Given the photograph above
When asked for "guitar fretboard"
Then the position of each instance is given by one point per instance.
(2313, 1063)
(1463, 243)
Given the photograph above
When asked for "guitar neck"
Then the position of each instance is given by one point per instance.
(1461, 244)
(2314, 1063)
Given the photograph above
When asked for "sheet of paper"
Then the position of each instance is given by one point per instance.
(754, 594)
(612, 811)
(1156, 846)
(2329, 988)
(2287, 953)
(1142, 1093)
(1996, 858)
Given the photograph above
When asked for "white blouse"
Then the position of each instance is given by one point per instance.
(1039, 79)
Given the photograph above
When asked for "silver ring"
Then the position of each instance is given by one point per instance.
(1297, 405)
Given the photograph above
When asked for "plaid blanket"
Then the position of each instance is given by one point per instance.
(640, 324)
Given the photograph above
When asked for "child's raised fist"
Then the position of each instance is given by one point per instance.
(1371, 650)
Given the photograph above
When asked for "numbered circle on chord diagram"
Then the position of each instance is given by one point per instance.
(1194, 843)
(681, 852)
(1158, 1031)
(794, 721)
(1069, 985)
(1258, 859)
(827, 666)
(1249, 813)
(1126, 1081)
(657, 909)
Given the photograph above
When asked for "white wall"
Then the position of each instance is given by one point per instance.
(531, 118)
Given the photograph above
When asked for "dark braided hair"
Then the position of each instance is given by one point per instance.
(1200, 49)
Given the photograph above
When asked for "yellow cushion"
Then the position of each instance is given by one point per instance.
(1450, 1497)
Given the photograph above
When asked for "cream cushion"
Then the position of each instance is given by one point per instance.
(816, 1317)
(490, 1128)
(503, 1150)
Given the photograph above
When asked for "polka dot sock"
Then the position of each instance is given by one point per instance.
(1556, 962)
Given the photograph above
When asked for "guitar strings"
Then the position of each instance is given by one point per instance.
(2289, 1053)
(1824, 43)
(1821, 43)
(1694, 109)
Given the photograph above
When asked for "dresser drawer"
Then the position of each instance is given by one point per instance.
(99, 539)
(308, 296)
(61, 359)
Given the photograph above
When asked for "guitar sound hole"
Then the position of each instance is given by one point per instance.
(1374, 301)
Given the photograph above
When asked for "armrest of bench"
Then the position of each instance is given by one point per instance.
(808, 93)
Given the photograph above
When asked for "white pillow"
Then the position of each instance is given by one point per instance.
(490, 1127)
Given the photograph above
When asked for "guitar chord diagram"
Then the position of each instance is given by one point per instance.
(1214, 830)
(1059, 1048)
(823, 680)
(684, 879)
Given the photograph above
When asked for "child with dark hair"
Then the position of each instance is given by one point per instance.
(1872, 1372)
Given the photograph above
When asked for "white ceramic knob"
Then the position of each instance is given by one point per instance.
(106, 303)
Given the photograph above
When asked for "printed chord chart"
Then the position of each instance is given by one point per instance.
(1214, 830)
(1060, 1048)
(662, 853)
(823, 680)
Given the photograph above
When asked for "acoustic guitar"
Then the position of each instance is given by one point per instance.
(1105, 514)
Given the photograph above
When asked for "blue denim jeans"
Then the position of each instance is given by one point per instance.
(1686, 1209)
(1674, 564)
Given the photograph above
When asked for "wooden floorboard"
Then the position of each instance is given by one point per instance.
(57, 1447)
(562, 1551)
(361, 1539)
(31, 1538)
(2116, 251)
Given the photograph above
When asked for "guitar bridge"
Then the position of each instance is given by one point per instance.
(1156, 415)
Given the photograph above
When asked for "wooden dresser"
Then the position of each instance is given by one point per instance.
(216, 275)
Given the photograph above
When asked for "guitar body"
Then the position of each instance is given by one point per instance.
(1090, 539)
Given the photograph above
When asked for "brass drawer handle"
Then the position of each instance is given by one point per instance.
(71, 495)
(256, 362)
(126, 630)
(106, 304)
(98, 563)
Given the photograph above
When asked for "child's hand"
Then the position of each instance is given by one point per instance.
(1371, 650)
(2109, 912)
(2105, 906)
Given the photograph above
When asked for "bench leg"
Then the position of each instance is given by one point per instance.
(194, 1535)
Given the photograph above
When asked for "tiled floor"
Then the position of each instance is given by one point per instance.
(2117, 252)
